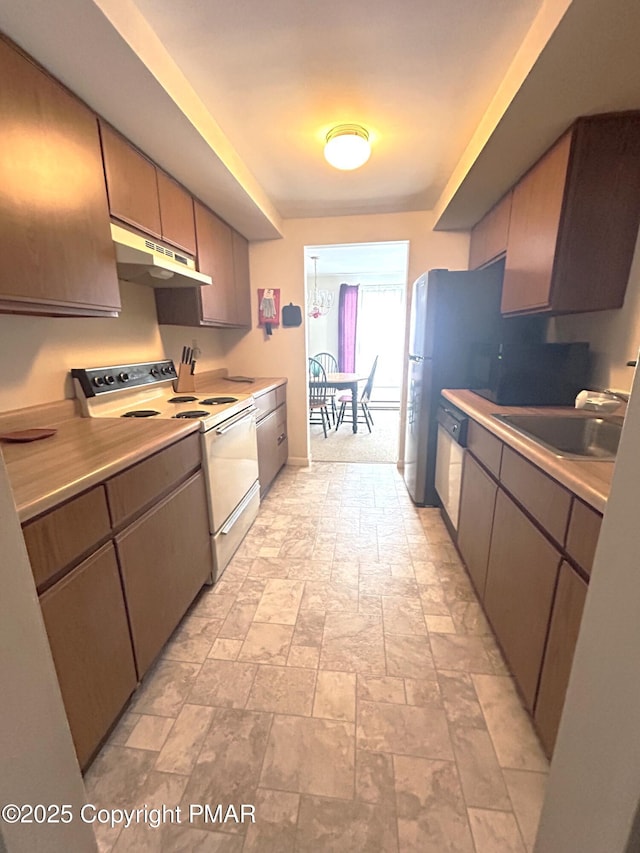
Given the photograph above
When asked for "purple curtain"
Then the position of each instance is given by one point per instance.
(347, 326)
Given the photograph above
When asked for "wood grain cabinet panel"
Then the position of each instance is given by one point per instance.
(241, 278)
(57, 253)
(583, 533)
(521, 578)
(215, 258)
(558, 658)
(132, 185)
(485, 447)
(574, 221)
(61, 537)
(142, 485)
(477, 504)
(268, 461)
(165, 558)
(86, 622)
(547, 501)
(265, 403)
(489, 236)
(176, 214)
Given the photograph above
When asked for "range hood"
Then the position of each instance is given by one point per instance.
(142, 260)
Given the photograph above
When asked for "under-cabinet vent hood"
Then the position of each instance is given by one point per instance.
(142, 260)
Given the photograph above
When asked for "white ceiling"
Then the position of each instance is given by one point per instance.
(278, 76)
(384, 259)
(233, 98)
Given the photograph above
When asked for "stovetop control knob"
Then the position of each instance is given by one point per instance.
(165, 370)
(123, 377)
(98, 381)
(109, 379)
(154, 371)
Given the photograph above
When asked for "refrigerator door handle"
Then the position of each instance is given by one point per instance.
(417, 358)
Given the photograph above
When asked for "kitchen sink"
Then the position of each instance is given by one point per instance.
(570, 436)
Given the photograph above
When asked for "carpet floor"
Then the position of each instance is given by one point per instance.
(381, 445)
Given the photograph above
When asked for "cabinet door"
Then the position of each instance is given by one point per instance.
(521, 577)
(268, 457)
(282, 439)
(489, 236)
(165, 558)
(215, 257)
(477, 505)
(558, 658)
(242, 282)
(533, 232)
(131, 183)
(86, 621)
(176, 214)
(57, 253)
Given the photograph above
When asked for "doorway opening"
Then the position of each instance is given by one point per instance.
(356, 316)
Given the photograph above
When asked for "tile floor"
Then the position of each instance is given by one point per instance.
(340, 677)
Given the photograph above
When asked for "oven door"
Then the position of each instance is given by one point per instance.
(230, 462)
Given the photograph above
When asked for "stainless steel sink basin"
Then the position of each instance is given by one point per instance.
(570, 436)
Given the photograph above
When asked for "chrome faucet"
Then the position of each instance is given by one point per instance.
(623, 396)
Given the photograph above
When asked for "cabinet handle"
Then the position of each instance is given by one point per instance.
(282, 437)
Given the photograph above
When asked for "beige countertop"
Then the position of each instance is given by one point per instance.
(83, 452)
(86, 451)
(590, 481)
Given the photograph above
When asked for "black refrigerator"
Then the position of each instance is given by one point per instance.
(453, 316)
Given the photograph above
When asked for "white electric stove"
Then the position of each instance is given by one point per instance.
(227, 424)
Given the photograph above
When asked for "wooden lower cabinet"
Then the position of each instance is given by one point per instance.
(521, 579)
(273, 444)
(165, 558)
(86, 621)
(558, 658)
(477, 504)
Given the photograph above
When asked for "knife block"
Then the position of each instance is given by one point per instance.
(186, 380)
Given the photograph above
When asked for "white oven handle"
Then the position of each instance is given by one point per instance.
(235, 515)
(237, 420)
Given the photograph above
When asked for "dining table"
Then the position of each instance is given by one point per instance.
(344, 382)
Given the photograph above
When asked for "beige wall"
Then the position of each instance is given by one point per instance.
(37, 352)
(281, 264)
(614, 335)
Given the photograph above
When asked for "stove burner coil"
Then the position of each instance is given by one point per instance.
(218, 401)
(141, 413)
(182, 400)
(196, 413)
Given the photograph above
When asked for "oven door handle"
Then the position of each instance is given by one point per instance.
(235, 515)
(237, 420)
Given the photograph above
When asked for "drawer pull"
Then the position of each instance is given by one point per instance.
(282, 437)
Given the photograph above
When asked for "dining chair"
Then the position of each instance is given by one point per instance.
(330, 364)
(345, 401)
(318, 395)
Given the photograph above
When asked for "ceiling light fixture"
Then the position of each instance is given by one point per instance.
(320, 301)
(347, 146)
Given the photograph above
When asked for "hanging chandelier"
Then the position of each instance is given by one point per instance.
(320, 301)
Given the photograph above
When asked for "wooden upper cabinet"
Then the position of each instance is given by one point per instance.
(574, 221)
(176, 214)
(215, 258)
(57, 253)
(242, 281)
(489, 235)
(131, 183)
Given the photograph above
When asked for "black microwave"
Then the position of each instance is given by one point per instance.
(530, 374)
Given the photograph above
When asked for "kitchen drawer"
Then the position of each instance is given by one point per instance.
(139, 486)
(59, 538)
(281, 394)
(541, 496)
(485, 447)
(584, 530)
(266, 403)
(86, 623)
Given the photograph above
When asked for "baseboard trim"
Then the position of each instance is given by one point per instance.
(299, 461)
